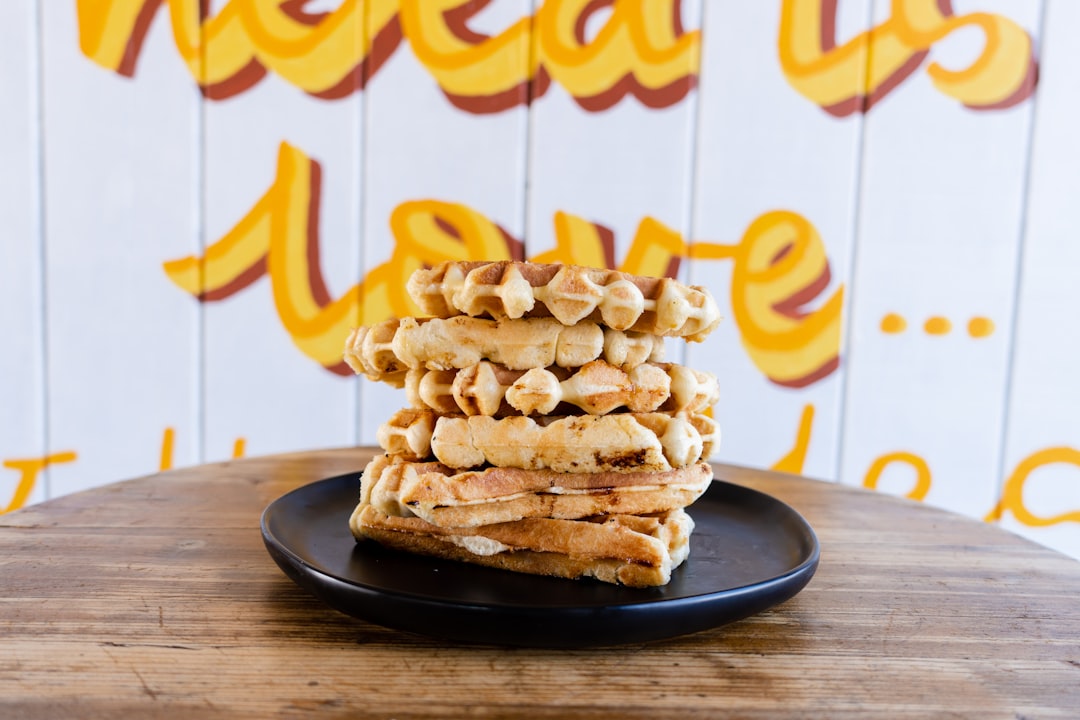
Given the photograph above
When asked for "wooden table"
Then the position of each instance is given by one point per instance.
(156, 598)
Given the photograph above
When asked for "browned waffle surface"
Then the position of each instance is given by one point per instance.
(569, 293)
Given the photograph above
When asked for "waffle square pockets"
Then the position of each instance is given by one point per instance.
(544, 432)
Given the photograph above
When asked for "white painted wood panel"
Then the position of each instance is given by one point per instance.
(273, 146)
(774, 171)
(121, 178)
(611, 137)
(937, 245)
(1042, 448)
(445, 136)
(22, 382)
(341, 144)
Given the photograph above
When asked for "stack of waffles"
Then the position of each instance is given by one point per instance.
(545, 434)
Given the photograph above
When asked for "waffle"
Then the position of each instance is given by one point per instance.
(407, 434)
(385, 352)
(545, 432)
(569, 293)
(596, 388)
(620, 442)
(633, 550)
(369, 352)
(450, 498)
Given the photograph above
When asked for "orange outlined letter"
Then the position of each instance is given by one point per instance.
(852, 77)
(922, 472)
(641, 50)
(1012, 496)
(30, 468)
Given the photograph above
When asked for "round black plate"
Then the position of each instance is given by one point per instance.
(748, 552)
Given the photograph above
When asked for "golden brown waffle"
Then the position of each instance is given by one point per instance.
(569, 293)
(369, 351)
(546, 434)
(407, 434)
(596, 388)
(385, 352)
(451, 498)
(620, 442)
(638, 551)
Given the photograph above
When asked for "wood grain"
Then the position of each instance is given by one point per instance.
(155, 598)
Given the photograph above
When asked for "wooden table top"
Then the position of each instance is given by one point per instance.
(156, 598)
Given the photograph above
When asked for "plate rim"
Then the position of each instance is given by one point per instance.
(808, 565)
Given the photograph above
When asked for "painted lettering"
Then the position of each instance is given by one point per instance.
(854, 76)
(779, 269)
(795, 459)
(642, 49)
(1012, 496)
(29, 470)
(922, 472)
(168, 443)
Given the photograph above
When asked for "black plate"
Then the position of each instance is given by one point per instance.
(748, 552)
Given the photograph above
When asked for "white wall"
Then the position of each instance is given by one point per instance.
(884, 219)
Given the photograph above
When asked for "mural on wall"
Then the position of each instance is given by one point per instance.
(29, 470)
(784, 300)
(1012, 497)
(883, 57)
(641, 51)
(778, 269)
(879, 60)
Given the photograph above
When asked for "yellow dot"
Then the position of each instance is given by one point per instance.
(937, 325)
(980, 327)
(893, 323)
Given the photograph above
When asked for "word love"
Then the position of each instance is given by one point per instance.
(780, 271)
(852, 77)
(640, 49)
